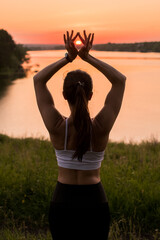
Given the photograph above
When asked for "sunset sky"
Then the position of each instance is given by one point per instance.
(45, 21)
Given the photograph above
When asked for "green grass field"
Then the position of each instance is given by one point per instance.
(130, 174)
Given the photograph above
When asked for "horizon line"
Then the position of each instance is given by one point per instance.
(93, 44)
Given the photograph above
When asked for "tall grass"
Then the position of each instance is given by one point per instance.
(131, 177)
(130, 174)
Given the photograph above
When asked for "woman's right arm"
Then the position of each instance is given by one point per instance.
(108, 114)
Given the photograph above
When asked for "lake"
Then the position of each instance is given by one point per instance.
(139, 118)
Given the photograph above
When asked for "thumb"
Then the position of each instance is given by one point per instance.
(72, 45)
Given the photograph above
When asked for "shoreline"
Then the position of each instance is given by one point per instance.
(152, 139)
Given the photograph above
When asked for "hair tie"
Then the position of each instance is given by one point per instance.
(80, 84)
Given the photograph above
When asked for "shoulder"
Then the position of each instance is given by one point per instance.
(58, 134)
(99, 136)
(59, 126)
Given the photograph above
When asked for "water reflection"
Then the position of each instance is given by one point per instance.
(140, 114)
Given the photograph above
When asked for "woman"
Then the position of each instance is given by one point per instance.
(79, 208)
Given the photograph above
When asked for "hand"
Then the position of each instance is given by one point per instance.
(69, 45)
(83, 52)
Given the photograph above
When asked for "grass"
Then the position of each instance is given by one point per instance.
(130, 174)
(115, 234)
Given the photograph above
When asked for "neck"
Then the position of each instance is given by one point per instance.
(72, 108)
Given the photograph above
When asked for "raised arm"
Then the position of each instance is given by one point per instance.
(50, 115)
(108, 114)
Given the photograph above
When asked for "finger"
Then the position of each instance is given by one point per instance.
(92, 38)
(81, 38)
(88, 39)
(74, 37)
(85, 36)
(67, 36)
(64, 38)
(71, 34)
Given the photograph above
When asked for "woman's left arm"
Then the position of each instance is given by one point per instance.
(50, 115)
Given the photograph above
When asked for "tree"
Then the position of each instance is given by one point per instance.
(11, 58)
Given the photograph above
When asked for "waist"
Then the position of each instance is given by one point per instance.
(78, 177)
(79, 194)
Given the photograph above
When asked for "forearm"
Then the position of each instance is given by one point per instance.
(45, 74)
(113, 75)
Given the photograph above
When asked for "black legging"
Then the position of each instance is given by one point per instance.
(79, 212)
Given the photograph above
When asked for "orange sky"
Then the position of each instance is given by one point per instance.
(44, 21)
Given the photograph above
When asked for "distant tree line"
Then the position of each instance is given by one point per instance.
(12, 56)
(123, 47)
(129, 47)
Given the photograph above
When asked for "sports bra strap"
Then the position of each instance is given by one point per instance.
(66, 133)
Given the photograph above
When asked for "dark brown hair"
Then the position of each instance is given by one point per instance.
(77, 89)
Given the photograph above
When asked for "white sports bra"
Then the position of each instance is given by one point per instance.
(91, 160)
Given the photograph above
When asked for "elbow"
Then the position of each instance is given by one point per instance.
(35, 79)
(123, 79)
(120, 80)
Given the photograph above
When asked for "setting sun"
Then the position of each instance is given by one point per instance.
(78, 42)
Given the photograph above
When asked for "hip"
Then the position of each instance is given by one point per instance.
(79, 194)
